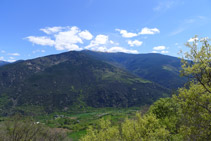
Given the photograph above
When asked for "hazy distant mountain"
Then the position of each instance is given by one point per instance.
(158, 68)
(73, 79)
(2, 63)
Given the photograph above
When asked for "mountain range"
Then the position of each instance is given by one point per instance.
(87, 79)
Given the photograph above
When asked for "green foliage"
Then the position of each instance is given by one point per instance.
(143, 128)
(20, 128)
(196, 108)
(168, 111)
(195, 100)
(103, 132)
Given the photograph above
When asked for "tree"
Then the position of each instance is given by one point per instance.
(168, 111)
(144, 128)
(19, 128)
(195, 99)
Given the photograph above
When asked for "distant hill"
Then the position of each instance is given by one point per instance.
(158, 68)
(73, 79)
(2, 63)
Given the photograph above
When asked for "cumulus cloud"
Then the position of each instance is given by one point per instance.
(99, 40)
(159, 48)
(120, 49)
(11, 60)
(144, 31)
(51, 30)
(164, 52)
(193, 39)
(72, 38)
(126, 34)
(67, 40)
(149, 31)
(1, 58)
(135, 43)
(14, 54)
(86, 35)
(43, 40)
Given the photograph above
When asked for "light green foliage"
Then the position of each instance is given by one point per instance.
(195, 100)
(103, 132)
(199, 66)
(196, 108)
(142, 128)
(168, 111)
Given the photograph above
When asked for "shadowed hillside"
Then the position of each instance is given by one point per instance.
(73, 79)
(161, 69)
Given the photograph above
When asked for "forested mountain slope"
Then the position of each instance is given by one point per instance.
(73, 79)
(161, 69)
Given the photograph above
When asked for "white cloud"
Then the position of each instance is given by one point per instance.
(111, 42)
(11, 60)
(100, 49)
(149, 31)
(67, 40)
(159, 48)
(164, 52)
(14, 54)
(99, 40)
(135, 43)
(193, 39)
(51, 30)
(120, 49)
(1, 58)
(86, 35)
(44, 41)
(126, 34)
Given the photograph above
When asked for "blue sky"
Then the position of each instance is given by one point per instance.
(34, 28)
